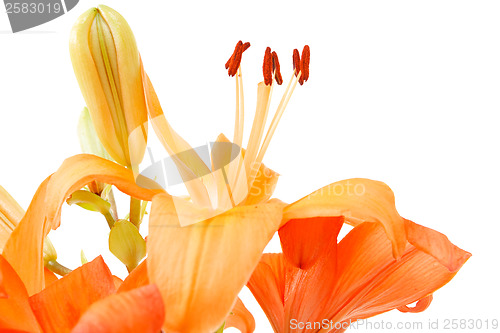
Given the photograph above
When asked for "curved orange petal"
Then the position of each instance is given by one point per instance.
(358, 200)
(59, 306)
(437, 245)
(137, 278)
(371, 281)
(204, 265)
(10, 215)
(304, 241)
(15, 310)
(79, 170)
(138, 310)
(24, 249)
(240, 318)
(267, 285)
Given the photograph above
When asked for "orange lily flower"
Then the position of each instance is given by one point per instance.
(192, 243)
(201, 250)
(319, 285)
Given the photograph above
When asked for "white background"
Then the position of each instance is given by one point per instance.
(406, 92)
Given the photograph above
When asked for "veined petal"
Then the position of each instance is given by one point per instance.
(137, 278)
(24, 249)
(241, 318)
(59, 306)
(15, 310)
(437, 245)
(371, 281)
(10, 215)
(267, 285)
(304, 241)
(204, 265)
(138, 310)
(358, 200)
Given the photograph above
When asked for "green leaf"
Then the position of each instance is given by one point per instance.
(127, 244)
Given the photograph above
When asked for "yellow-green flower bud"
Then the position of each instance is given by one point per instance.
(107, 66)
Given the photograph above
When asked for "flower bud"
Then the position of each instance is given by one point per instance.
(107, 66)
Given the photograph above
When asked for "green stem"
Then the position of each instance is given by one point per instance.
(57, 268)
(135, 211)
(109, 219)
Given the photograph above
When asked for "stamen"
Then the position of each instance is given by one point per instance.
(276, 69)
(234, 61)
(304, 65)
(267, 67)
(296, 61)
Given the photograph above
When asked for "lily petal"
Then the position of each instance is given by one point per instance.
(304, 241)
(10, 215)
(437, 245)
(240, 318)
(59, 306)
(24, 249)
(79, 170)
(267, 285)
(358, 200)
(206, 264)
(138, 310)
(371, 281)
(15, 310)
(137, 278)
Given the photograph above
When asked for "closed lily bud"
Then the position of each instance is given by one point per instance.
(107, 66)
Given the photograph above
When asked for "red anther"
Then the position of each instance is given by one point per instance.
(304, 65)
(235, 59)
(233, 63)
(267, 67)
(296, 61)
(276, 69)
